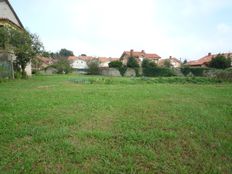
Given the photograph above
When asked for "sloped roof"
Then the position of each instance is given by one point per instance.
(175, 59)
(107, 59)
(152, 56)
(72, 58)
(171, 59)
(206, 59)
(141, 54)
(86, 58)
(7, 13)
(45, 60)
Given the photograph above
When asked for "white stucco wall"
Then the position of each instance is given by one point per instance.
(5, 12)
(79, 64)
(175, 64)
(104, 65)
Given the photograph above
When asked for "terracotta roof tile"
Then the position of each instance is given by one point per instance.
(206, 59)
(142, 54)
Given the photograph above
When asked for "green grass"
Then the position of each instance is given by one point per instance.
(71, 124)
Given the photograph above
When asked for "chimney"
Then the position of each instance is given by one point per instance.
(131, 53)
(209, 54)
(170, 57)
(143, 51)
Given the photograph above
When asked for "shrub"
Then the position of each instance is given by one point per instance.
(158, 71)
(225, 75)
(220, 62)
(148, 63)
(93, 68)
(167, 63)
(132, 63)
(195, 71)
(115, 64)
(63, 66)
(123, 70)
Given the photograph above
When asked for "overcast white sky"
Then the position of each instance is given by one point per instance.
(181, 28)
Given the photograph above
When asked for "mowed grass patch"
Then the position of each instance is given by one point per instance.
(54, 124)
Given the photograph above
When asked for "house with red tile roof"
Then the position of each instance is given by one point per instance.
(139, 56)
(41, 62)
(204, 61)
(104, 61)
(174, 62)
(80, 62)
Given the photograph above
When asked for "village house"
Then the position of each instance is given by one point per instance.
(204, 61)
(8, 18)
(104, 61)
(40, 63)
(174, 62)
(139, 56)
(80, 63)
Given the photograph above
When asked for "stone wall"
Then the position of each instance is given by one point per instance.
(110, 72)
(6, 67)
(130, 73)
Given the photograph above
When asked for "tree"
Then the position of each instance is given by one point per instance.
(185, 61)
(132, 63)
(26, 46)
(146, 63)
(93, 67)
(4, 37)
(167, 63)
(46, 54)
(220, 62)
(115, 64)
(63, 66)
(65, 53)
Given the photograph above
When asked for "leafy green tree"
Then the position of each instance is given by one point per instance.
(185, 62)
(26, 46)
(220, 62)
(146, 63)
(167, 63)
(4, 37)
(123, 70)
(132, 63)
(65, 53)
(93, 67)
(46, 54)
(115, 64)
(63, 66)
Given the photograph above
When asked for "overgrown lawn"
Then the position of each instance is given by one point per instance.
(72, 124)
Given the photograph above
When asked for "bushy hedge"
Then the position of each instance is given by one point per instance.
(198, 71)
(158, 72)
(224, 75)
(115, 64)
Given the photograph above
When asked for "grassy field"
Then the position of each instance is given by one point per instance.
(71, 124)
